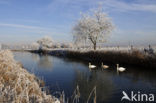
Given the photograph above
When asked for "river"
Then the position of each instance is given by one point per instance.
(62, 74)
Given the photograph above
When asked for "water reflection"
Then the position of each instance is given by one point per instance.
(45, 62)
(35, 57)
(144, 75)
(99, 79)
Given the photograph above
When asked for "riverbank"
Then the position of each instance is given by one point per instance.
(17, 85)
(133, 58)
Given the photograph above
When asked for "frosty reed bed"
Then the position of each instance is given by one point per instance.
(17, 85)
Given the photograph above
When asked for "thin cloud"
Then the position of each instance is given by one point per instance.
(127, 6)
(37, 30)
(43, 29)
(110, 5)
(20, 26)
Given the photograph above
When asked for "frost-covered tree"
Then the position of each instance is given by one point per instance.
(94, 27)
(45, 43)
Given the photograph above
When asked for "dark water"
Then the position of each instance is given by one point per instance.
(64, 75)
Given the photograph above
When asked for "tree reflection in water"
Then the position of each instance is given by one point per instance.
(35, 57)
(43, 61)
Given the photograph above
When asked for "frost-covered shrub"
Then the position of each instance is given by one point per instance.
(45, 43)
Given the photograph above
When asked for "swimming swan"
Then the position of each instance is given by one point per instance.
(104, 66)
(120, 69)
(91, 66)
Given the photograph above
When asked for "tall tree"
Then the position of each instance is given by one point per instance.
(94, 27)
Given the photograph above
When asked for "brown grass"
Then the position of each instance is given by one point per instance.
(17, 85)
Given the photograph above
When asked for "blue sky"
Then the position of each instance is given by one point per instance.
(25, 21)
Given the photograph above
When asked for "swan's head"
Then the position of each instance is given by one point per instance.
(89, 63)
(117, 65)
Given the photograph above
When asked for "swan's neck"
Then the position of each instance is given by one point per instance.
(117, 67)
(89, 64)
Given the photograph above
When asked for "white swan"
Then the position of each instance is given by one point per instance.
(91, 66)
(104, 66)
(120, 69)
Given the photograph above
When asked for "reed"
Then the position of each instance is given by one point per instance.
(135, 58)
(19, 86)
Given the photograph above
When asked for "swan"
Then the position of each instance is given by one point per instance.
(120, 69)
(91, 66)
(104, 66)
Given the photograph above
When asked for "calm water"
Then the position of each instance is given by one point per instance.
(64, 75)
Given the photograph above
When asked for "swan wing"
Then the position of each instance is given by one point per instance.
(122, 69)
(92, 66)
(105, 66)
